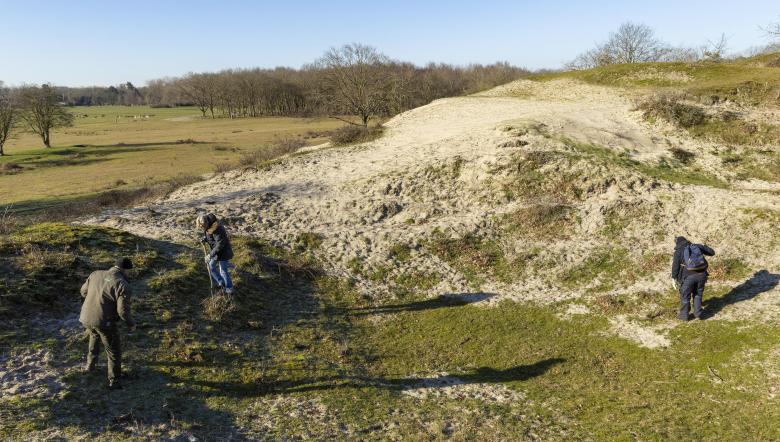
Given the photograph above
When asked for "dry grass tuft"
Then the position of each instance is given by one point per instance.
(218, 306)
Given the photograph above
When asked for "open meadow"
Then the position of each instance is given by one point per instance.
(122, 147)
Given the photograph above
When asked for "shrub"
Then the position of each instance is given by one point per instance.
(682, 155)
(672, 109)
(223, 167)
(10, 168)
(354, 134)
(281, 147)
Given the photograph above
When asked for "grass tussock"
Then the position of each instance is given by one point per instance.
(217, 307)
(541, 221)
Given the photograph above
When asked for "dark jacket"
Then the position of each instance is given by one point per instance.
(107, 299)
(679, 272)
(217, 238)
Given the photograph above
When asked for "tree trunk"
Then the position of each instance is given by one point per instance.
(46, 141)
(365, 121)
(1, 150)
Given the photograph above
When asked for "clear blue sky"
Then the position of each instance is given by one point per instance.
(85, 42)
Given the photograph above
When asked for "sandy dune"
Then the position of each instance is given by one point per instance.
(435, 169)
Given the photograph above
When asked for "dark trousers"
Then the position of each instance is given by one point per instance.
(692, 286)
(109, 337)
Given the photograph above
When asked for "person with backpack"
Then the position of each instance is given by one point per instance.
(689, 271)
(215, 235)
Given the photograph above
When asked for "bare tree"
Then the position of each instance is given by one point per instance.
(42, 112)
(355, 80)
(682, 53)
(7, 116)
(773, 30)
(631, 43)
(716, 50)
(202, 90)
(635, 43)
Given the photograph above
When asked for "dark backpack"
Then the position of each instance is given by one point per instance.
(693, 258)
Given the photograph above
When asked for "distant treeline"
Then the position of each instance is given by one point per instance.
(286, 91)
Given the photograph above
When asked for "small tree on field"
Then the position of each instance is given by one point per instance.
(201, 89)
(355, 79)
(7, 116)
(42, 112)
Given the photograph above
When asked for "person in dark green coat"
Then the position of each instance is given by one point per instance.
(107, 301)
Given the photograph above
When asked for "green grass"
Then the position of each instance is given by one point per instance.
(306, 357)
(613, 389)
(606, 266)
(670, 171)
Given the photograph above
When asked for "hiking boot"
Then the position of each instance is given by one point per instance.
(88, 368)
(113, 384)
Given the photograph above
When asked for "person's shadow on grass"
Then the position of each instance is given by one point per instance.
(332, 382)
(448, 300)
(762, 281)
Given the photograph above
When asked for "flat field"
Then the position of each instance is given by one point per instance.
(116, 147)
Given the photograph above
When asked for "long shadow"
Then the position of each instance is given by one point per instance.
(151, 143)
(324, 383)
(761, 281)
(447, 300)
(86, 150)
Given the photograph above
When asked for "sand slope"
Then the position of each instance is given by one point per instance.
(436, 170)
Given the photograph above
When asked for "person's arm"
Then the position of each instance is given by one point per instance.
(123, 294)
(85, 288)
(220, 241)
(676, 263)
(707, 250)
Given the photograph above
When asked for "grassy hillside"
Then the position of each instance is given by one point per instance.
(117, 147)
(749, 81)
(305, 356)
(732, 103)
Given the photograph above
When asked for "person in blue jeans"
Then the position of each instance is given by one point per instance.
(221, 252)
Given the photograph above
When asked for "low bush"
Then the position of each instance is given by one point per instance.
(672, 109)
(280, 148)
(682, 155)
(10, 168)
(354, 134)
